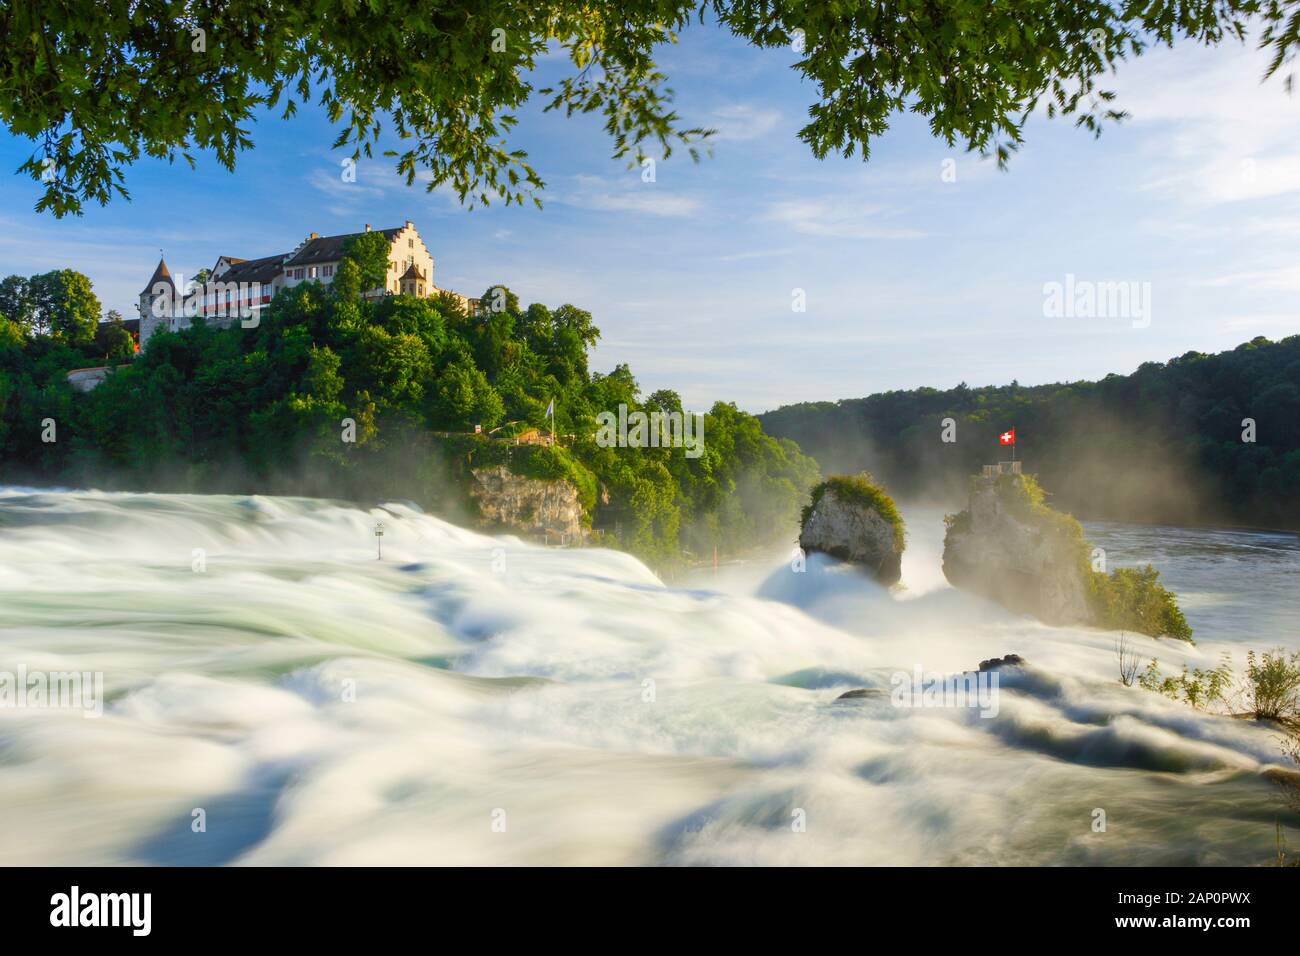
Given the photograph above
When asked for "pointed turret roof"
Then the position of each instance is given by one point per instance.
(413, 272)
(161, 274)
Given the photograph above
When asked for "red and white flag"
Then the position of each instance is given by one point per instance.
(1008, 437)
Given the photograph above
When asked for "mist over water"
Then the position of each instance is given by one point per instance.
(324, 707)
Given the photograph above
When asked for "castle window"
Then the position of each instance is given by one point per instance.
(410, 243)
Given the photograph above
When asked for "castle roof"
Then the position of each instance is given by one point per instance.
(161, 274)
(413, 272)
(263, 270)
(131, 325)
(330, 248)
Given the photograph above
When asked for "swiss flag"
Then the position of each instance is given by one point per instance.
(1008, 437)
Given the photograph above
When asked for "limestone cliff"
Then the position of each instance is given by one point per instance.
(527, 505)
(1009, 547)
(852, 519)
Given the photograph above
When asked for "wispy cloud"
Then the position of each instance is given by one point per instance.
(838, 219)
(633, 196)
(371, 182)
(742, 122)
(1206, 145)
(1259, 323)
(1280, 279)
(754, 254)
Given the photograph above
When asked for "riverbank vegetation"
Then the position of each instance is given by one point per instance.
(1268, 688)
(1169, 443)
(332, 395)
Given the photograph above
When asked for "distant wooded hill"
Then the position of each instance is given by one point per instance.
(1161, 445)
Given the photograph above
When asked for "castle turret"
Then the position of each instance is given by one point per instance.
(412, 281)
(156, 314)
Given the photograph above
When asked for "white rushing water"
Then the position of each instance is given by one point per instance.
(477, 700)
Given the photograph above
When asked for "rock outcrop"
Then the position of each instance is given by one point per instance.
(997, 663)
(854, 520)
(861, 693)
(1011, 548)
(528, 505)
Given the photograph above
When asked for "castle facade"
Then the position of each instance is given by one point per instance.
(236, 289)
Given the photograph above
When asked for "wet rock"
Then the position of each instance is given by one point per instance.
(860, 692)
(852, 519)
(1009, 547)
(993, 663)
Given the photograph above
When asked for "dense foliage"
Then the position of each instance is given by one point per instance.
(266, 409)
(60, 305)
(96, 84)
(1134, 599)
(1164, 444)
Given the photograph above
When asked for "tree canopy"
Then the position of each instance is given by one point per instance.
(210, 409)
(59, 304)
(97, 84)
(1200, 438)
(369, 251)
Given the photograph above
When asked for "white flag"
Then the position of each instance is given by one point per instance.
(550, 409)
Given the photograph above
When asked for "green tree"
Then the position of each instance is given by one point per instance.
(498, 298)
(95, 92)
(322, 379)
(465, 399)
(392, 367)
(64, 306)
(112, 338)
(16, 300)
(11, 335)
(369, 251)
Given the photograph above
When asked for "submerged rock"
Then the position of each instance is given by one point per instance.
(853, 519)
(994, 663)
(860, 692)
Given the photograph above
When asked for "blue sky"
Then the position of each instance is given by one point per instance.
(909, 280)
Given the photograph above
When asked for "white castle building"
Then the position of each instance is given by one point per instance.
(238, 288)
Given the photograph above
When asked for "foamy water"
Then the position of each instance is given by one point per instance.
(471, 699)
